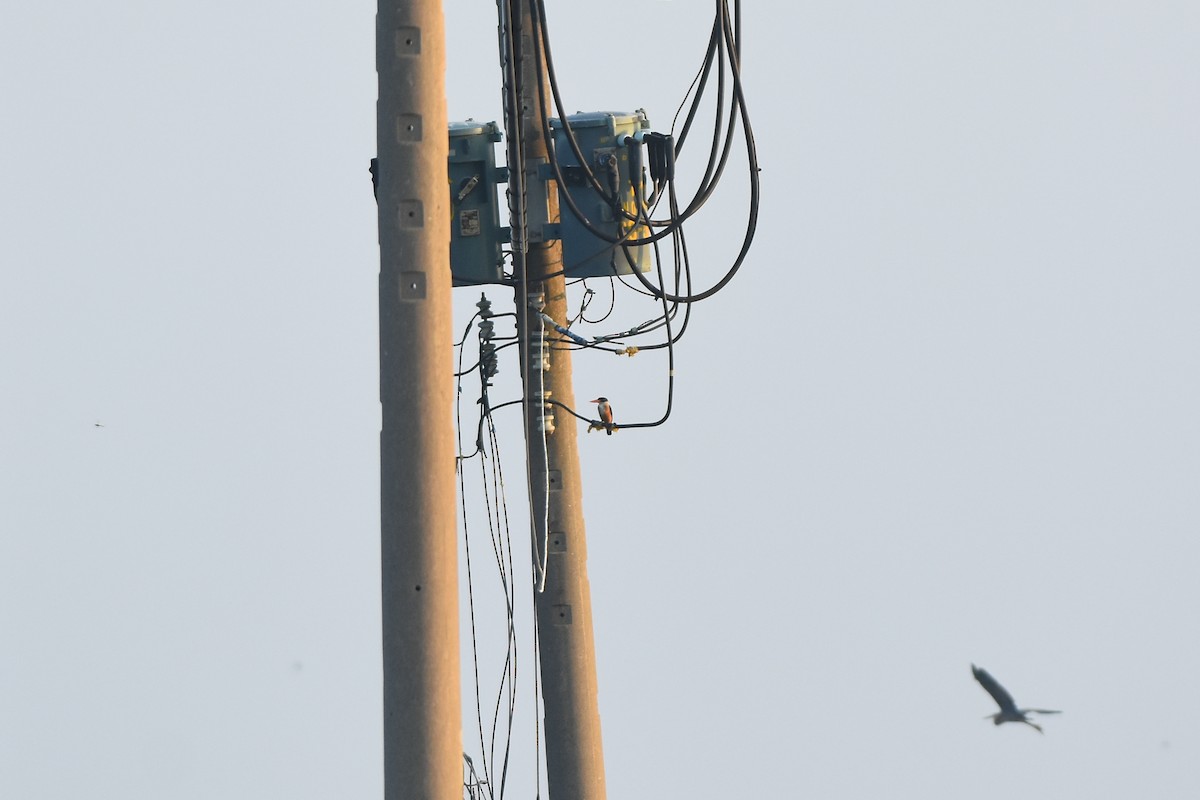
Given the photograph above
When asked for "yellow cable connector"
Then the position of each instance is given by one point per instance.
(628, 351)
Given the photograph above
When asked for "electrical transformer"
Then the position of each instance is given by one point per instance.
(475, 232)
(600, 137)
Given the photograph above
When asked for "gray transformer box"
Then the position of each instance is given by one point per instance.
(600, 137)
(475, 232)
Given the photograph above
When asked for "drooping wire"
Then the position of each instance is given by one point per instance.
(724, 48)
(502, 548)
(612, 304)
(496, 746)
(462, 490)
(670, 347)
(541, 43)
(752, 158)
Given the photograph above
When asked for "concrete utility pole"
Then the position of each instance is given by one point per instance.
(422, 724)
(574, 755)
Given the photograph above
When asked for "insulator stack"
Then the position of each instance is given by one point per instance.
(545, 420)
(487, 331)
(539, 345)
(539, 362)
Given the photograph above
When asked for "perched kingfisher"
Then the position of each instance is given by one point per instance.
(606, 415)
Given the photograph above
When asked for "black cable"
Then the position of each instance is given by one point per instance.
(458, 409)
(712, 173)
(670, 364)
(470, 585)
(467, 330)
(680, 246)
(612, 304)
(500, 548)
(542, 46)
(752, 222)
(715, 168)
(702, 76)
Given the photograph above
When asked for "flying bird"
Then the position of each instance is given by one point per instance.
(606, 416)
(1008, 708)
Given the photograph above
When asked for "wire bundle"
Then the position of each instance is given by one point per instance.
(656, 218)
(718, 78)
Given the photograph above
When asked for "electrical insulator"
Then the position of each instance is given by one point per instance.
(539, 361)
(487, 331)
(545, 420)
(539, 349)
(539, 345)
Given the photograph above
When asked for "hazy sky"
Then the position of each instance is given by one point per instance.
(946, 414)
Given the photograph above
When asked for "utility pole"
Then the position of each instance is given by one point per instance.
(574, 755)
(422, 724)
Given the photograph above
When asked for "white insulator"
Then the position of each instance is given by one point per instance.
(485, 306)
(544, 420)
(539, 350)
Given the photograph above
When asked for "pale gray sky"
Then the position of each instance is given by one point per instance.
(946, 413)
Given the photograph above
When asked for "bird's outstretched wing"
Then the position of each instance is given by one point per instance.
(1039, 711)
(998, 692)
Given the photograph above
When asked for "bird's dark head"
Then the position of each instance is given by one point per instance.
(599, 400)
